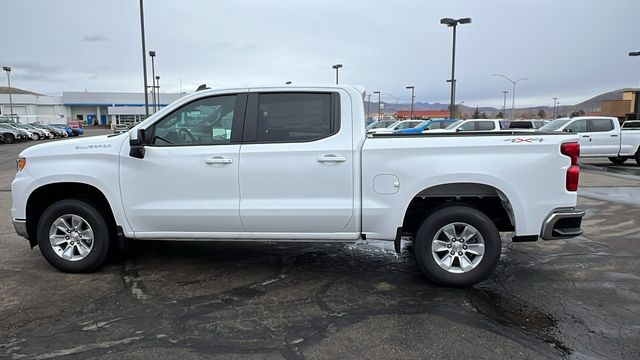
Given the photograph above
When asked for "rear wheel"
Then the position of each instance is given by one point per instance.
(9, 138)
(73, 236)
(638, 157)
(618, 159)
(457, 246)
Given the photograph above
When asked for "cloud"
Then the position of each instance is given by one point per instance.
(94, 38)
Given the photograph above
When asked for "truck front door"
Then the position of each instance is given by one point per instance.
(187, 182)
(605, 139)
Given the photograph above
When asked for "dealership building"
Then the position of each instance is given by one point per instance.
(92, 108)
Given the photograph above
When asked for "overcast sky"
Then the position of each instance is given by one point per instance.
(570, 49)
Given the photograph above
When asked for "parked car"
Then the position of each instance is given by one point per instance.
(40, 134)
(430, 124)
(631, 124)
(28, 133)
(120, 128)
(398, 125)
(526, 124)
(601, 137)
(76, 126)
(66, 128)
(10, 134)
(450, 194)
(54, 131)
(381, 124)
(474, 125)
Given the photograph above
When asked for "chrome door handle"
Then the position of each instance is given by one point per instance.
(218, 160)
(332, 158)
(614, 135)
(586, 136)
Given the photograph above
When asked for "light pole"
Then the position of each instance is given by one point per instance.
(504, 103)
(8, 70)
(513, 93)
(368, 103)
(379, 116)
(454, 24)
(413, 88)
(158, 90)
(144, 60)
(555, 99)
(336, 66)
(153, 78)
(636, 53)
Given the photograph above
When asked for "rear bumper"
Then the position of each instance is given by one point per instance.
(562, 224)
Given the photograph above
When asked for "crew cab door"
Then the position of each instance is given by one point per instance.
(296, 173)
(605, 139)
(581, 127)
(187, 182)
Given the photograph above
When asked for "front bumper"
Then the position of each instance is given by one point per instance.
(562, 224)
(21, 228)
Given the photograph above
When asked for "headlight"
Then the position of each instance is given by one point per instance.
(20, 164)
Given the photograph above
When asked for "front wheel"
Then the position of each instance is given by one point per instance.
(73, 236)
(638, 157)
(457, 246)
(618, 160)
(9, 138)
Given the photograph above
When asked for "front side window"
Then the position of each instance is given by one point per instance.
(601, 125)
(294, 117)
(577, 126)
(468, 126)
(202, 122)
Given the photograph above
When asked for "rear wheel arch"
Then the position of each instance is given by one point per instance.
(485, 198)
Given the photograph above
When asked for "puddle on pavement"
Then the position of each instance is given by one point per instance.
(509, 312)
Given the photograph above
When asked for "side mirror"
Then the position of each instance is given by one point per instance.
(137, 145)
(568, 130)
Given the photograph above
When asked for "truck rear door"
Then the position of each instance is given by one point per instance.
(296, 164)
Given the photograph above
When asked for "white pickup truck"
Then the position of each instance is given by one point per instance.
(294, 164)
(601, 137)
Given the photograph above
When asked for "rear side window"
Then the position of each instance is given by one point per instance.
(631, 125)
(601, 125)
(520, 125)
(485, 125)
(288, 117)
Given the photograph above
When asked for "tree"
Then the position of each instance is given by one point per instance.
(542, 114)
(500, 115)
(476, 114)
(483, 115)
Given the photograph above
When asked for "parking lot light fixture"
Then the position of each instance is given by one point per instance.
(453, 23)
(513, 93)
(634, 53)
(379, 108)
(144, 60)
(153, 79)
(8, 70)
(337, 67)
(412, 98)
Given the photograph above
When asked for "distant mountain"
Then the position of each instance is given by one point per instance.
(591, 105)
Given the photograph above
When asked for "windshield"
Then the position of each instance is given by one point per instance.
(454, 125)
(554, 125)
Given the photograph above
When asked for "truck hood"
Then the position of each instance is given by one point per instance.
(106, 144)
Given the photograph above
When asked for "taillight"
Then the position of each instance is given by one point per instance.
(572, 150)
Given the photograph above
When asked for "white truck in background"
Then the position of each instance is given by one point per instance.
(601, 137)
(294, 164)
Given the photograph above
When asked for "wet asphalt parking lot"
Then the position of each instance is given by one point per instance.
(577, 298)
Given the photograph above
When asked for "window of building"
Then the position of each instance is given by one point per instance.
(79, 117)
(294, 117)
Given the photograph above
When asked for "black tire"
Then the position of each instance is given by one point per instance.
(638, 157)
(457, 214)
(618, 159)
(9, 138)
(88, 212)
